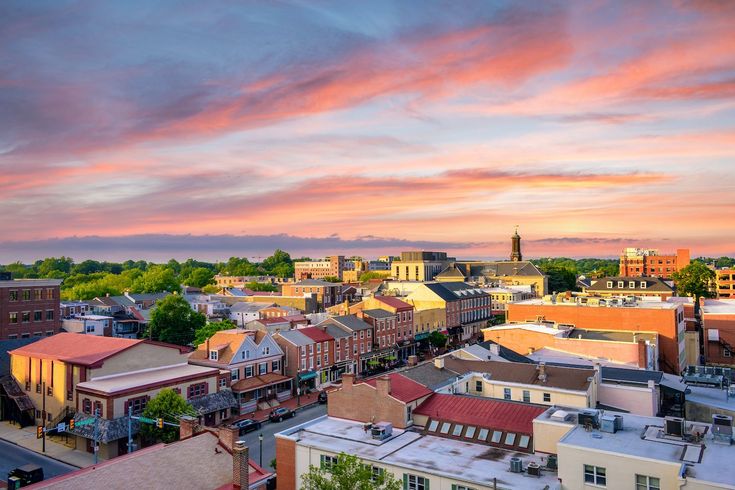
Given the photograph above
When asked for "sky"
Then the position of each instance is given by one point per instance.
(144, 129)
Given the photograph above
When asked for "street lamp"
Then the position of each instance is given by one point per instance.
(260, 439)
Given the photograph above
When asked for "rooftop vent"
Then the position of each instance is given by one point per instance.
(674, 426)
(533, 469)
(611, 423)
(722, 428)
(552, 462)
(589, 418)
(516, 465)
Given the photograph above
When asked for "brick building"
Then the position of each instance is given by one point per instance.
(718, 320)
(327, 293)
(351, 350)
(636, 262)
(29, 308)
(333, 266)
(321, 356)
(630, 286)
(664, 318)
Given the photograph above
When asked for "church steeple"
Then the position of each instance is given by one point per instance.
(515, 254)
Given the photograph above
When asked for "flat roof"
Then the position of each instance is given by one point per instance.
(642, 437)
(29, 283)
(712, 397)
(459, 460)
(611, 335)
(719, 307)
(122, 382)
(531, 327)
(652, 305)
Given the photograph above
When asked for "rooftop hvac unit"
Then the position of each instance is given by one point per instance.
(607, 424)
(533, 469)
(552, 462)
(721, 425)
(382, 430)
(516, 465)
(589, 418)
(674, 426)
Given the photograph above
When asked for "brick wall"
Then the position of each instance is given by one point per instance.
(364, 403)
(286, 464)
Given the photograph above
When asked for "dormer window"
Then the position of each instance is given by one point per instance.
(213, 355)
(644, 284)
(621, 284)
(609, 284)
(631, 284)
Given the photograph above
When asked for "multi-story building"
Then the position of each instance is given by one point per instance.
(419, 266)
(501, 296)
(332, 266)
(725, 280)
(243, 312)
(327, 293)
(71, 309)
(89, 324)
(662, 317)
(48, 371)
(636, 262)
(255, 363)
(296, 347)
(638, 286)
(354, 351)
(320, 356)
(29, 308)
(718, 322)
(240, 281)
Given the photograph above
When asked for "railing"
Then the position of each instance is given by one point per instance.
(283, 395)
(248, 407)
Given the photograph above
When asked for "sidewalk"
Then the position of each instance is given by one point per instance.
(26, 437)
(291, 403)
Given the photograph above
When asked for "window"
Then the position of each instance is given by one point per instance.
(199, 389)
(461, 487)
(98, 408)
(506, 393)
(547, 397)
(478, 385)
(137, 404)
(319, 348)
(37, 294)
(90, 328)
(26, 295)
(445, 428)
(235, 374)
(413, 482)
(377, 474)
(644, 284)
(37, 316)
(49, 294)
(26, 316)
(470, 432)
(266, 351)
(726, 352)
(644, 482)
(609, 284)
(13, 295)
(631, 284)
(362, 334)
(49, 315)
(249, 371)
(213, 355)
(14, 317)
(262, 368)
(87, 406)
(482, 436)
(311, 349)
(303, 351)
(433, 426)
(524, 441)
(510, 439)
(621, 284)
(526, 396)
(275, 366)
(457, 430)
(594, 475)
(327, 462)
(223, 382)
(497, 435)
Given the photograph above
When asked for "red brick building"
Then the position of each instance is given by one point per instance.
(332, 266)
(718, 319)
(323, 351)
(636, 262)
(327, 293)
(665, 318)
(29, 308)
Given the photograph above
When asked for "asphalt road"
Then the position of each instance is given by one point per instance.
(12, 456)
(270, 428)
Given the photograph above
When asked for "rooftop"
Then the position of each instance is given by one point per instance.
(296, 337)
(394, 302)
(76, 348)
(473, 463)
(349, 321)
(376, 313)
(642, 437)
(403, 388)
(316, 282)
(719, 307)
(652, 305)
(316, 334)
(29, 283)
(143, 378)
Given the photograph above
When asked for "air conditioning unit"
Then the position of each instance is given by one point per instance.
(533, 469)
(516, 465)
(382, 430)
(674, 426)
(589, 418)
(552, 462)
(721, 425)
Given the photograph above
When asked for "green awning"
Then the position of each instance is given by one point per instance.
(421, 336)
(306, 376)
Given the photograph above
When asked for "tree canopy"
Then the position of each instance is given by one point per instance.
(203, 333)
(174, 321)
(695, 280)
(438, 339)
(348, 473)
(169, 406)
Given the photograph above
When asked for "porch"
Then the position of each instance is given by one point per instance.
(256, 392)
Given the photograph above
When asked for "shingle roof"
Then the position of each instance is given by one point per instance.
(636, 376)
(213, 402)
(441, 291)
(263, 380)
(295, 337)
(317, 334)
(350, 321)
(76, 348)
(394, 302)
(403, 388)
(376, 313)
(502, 268)
(652, 284)
(428, 375)
(481, 412)
(336, 332)
(507, 353)
(230, 341)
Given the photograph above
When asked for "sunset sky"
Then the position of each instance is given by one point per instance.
(365, 127)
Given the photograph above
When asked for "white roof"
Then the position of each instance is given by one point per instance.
(531, 327)
(550, 355)
(653, 305)
(455, 459)
(13, 283)
(120, 382)
(719, 307)
(712, 397)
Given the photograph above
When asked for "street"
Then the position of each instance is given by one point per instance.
(12, 456)
(270, 428)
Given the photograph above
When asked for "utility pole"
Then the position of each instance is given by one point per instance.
(43, 412)
(130, 428)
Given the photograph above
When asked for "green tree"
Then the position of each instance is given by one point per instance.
(261, 287)
(348, 473)
(174, 321)
(205, 332)
(156, 279)
(695, 280)
(561, 278)
(366, 276)
(169, 406)
(87, 267)
(49, 265)
(438, 339)
(210, 289)
(279, 264)
(332, 279)
(199, 277)
(238, 266)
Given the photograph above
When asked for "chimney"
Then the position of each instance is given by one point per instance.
(542, 371)
(207, 346)
(495, 350)
(187, 427)
(382, 384)
(228, 436)
(348, 379)
(412, 360)
(439, 362)
(598, 373)
(240, 466)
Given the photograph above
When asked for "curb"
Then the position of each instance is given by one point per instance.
(42, 454)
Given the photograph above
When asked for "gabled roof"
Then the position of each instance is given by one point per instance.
(317, 334)
(335, 331)
(502, 268)
(350, 322)
(441, 291)
(507, 353)
(451, 272)
(429, 376)
(652, 284)
(481, 412)
(403, 388)
(246, 306)
(75, 348)
(394, 302)
(230, 342)
(295, 337)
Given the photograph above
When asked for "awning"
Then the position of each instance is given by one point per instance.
(673, 382)
(422, 336)
(306, 376)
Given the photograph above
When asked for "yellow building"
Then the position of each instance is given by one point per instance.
(419, 266)
(725, 283)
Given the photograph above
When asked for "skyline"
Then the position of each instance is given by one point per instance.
(592, 125)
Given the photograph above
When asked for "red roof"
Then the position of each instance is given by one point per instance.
(76, 348)
(316, 334)
(481, 412)
(394, 302)
(402, 388)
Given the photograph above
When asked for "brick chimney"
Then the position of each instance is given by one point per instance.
(542, 371)
(348, 379)
(382, 384)
(187, 427)
(228, 436)
(240, 465)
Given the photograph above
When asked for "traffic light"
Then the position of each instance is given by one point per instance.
(71, 424)
(159, 423)
(39, 432)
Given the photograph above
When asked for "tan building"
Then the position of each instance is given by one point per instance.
(500, 297)
(419, 265)
(725, 283)
(333, 266)
(618, 286)
(327, 293)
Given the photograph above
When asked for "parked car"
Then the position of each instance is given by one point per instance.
(247, 425)
(27, 474)
(322, 397)
(279, 414)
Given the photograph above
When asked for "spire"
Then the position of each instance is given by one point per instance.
(515, 254)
